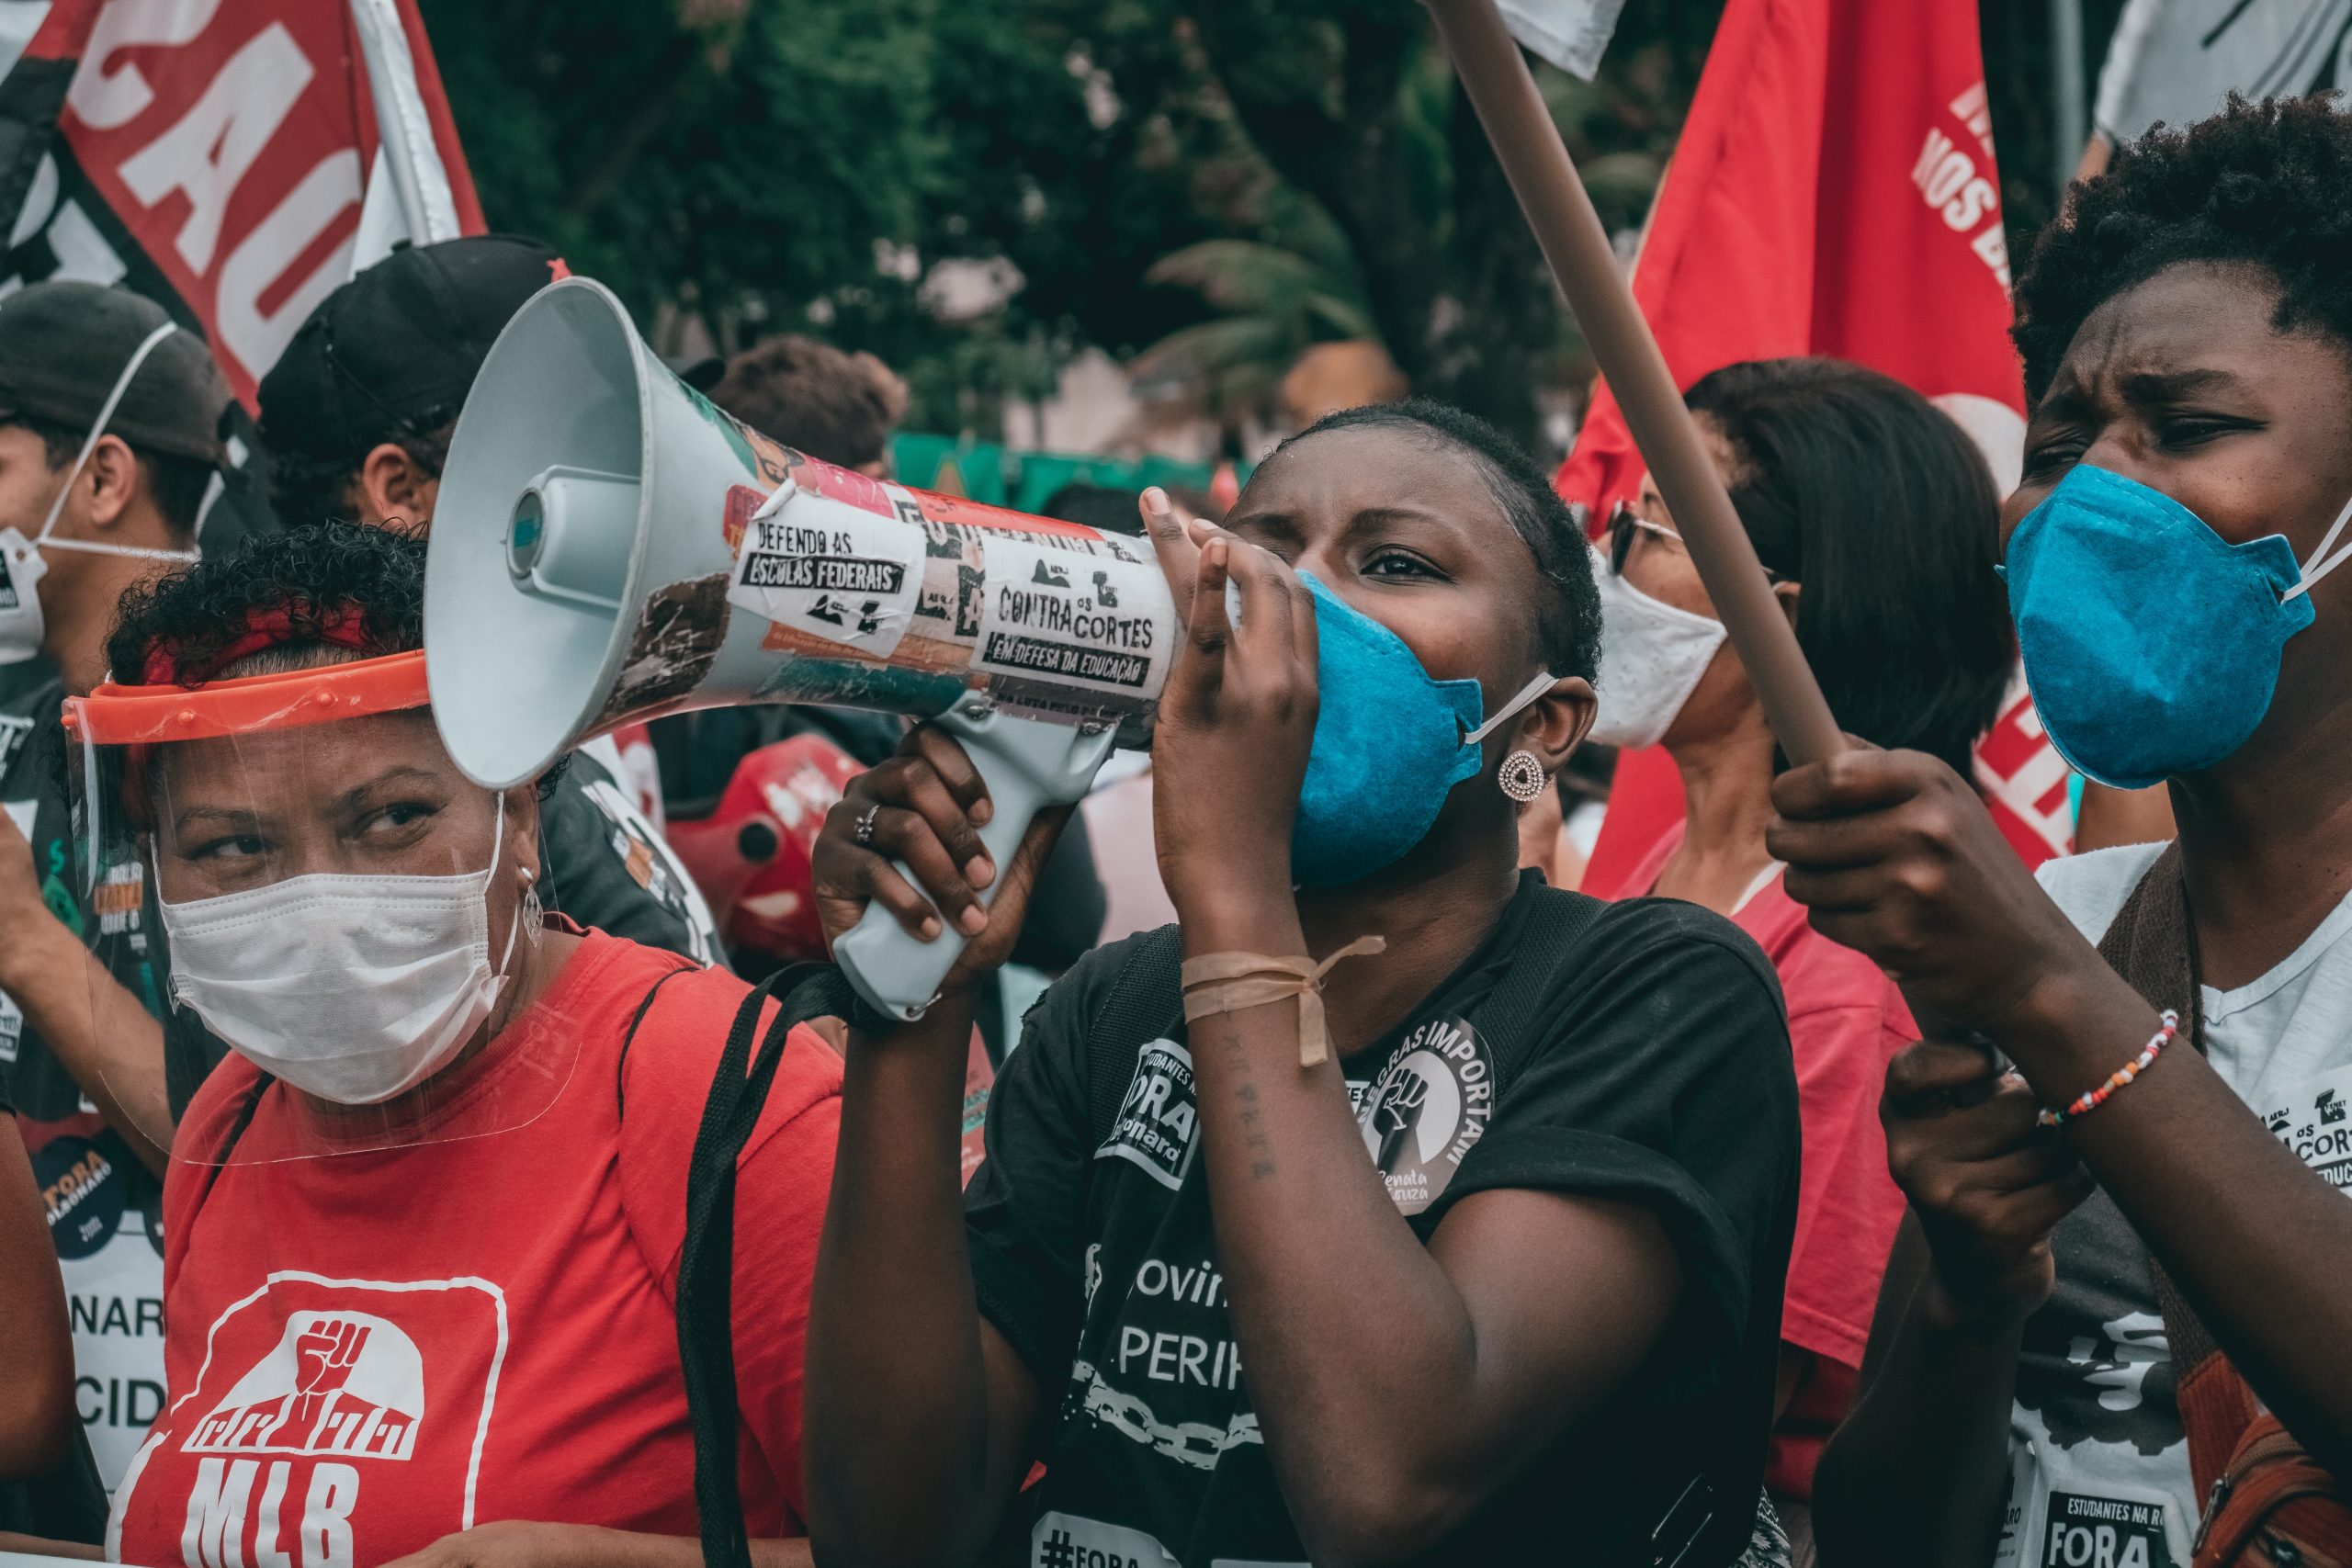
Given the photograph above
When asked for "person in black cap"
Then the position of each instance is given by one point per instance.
(358, 412)
(109, 437)
(109, 415)
(356, 416)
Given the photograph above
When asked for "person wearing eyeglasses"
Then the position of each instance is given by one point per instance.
(1876, 519)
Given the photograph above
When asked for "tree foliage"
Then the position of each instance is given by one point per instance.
(771, 163)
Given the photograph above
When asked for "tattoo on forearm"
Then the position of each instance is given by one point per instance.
(1253, 1128)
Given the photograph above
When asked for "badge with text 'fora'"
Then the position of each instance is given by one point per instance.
(1159, 1116)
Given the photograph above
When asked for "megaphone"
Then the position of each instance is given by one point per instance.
(607, 546)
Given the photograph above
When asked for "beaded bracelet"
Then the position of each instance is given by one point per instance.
(2092, 1098)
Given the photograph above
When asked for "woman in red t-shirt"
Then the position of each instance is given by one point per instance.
(424, 1224)
(1877, 522)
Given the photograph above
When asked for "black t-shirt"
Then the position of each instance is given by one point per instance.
(1659, 1073)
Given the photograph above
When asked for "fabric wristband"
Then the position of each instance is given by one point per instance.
(1229, 982)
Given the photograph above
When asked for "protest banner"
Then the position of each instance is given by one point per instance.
(228, 158)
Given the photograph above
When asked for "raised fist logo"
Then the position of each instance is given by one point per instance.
(326, 1355)
(339, 1381)
(1400, 1102)
(1395, 1113)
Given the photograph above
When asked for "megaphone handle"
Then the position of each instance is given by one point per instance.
(1028, 764)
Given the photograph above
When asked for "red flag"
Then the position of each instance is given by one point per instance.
(224, 157)
(1833, 192)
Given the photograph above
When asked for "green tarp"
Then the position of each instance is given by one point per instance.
(1026, 480)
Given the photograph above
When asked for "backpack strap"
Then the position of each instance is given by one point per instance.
(2152, 943)
(620, 1067)
(706, 1265)
(229, 1139)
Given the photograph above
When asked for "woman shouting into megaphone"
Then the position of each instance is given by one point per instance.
(1390, 1207)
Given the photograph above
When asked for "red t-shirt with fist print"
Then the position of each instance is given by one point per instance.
(370, 1350)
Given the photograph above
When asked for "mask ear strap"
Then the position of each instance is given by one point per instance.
(1543, 682)
(90, 442)
(523, 906)
(2320, 562)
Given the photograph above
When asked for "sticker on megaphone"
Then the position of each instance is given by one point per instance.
(1095, 622)
(835, 571)
(1046, 618)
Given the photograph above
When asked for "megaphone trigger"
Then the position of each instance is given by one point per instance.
(1029, 765)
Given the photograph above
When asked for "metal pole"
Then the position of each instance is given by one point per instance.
(1503, 92)
(2070, 128)
(404, 129)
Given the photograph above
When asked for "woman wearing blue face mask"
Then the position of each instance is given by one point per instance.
(1471, 1255)
(2118, 1305)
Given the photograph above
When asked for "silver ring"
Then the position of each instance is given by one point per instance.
(864, 832)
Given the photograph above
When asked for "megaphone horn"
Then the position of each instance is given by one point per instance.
(608, 546)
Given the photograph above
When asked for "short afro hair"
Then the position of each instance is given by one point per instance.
(838, 408)
(313, 571)
(309, 573)
(2268, 185)
(1568, 607)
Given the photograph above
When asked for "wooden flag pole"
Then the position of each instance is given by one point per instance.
(1502, 89)
(1503, 92)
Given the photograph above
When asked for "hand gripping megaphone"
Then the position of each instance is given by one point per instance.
(607, 546)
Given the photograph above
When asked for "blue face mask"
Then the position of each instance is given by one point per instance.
(1390, 744)
(2151, 643)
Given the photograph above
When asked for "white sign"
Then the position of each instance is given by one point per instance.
(1096, 623)
(1571, 34)
(830, 569)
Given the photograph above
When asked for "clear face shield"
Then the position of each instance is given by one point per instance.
(291, 868)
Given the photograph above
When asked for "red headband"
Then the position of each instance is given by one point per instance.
(342, 627)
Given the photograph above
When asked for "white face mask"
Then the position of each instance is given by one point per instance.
(352, 988)
(22, 625)
(1652, 657)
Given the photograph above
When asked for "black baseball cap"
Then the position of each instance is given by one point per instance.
(65, 344)
(393, 351)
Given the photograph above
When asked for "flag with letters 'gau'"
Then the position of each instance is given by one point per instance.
(233, 160)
